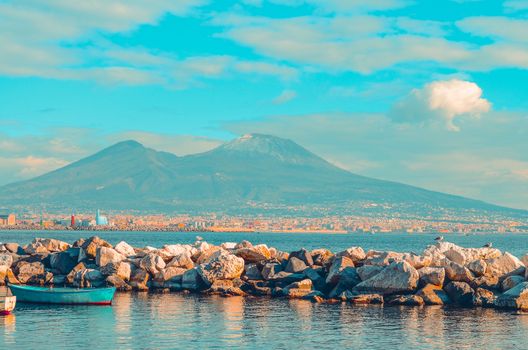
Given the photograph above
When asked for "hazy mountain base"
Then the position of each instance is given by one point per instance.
(255, 174)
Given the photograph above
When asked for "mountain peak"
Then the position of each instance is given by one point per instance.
(284, 150)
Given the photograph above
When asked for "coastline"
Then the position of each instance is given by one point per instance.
(443, 274)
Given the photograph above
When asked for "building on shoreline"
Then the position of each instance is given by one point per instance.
(7, 219)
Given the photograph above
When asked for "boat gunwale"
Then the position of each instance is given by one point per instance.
(61, 290)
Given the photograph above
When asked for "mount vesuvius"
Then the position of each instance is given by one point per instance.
(252, 173)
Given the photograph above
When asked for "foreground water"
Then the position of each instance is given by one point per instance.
(178, 321)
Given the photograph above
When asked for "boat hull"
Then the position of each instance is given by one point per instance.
(67, 296)
(7, 304)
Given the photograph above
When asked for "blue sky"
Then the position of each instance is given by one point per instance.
(431, 93)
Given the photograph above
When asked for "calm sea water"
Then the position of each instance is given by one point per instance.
(178, 321)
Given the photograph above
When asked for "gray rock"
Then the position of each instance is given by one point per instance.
(432, 275)
(254, 254)
(457, 272)
(105, 255)
(408, 299)
(270, 269)
(6, 260)
(338, 265)
(460, 293)
(124, 249)
(252, 272)
(303, 255)
(295, 265)
(367, 271)
(484, 297)
(152, 263)
(25, 270)
(191, 280)
(515, 298)
(225, 266)
(433, 295)
(398, 277)
(356, 254)
(505, 265)
(478, 267)
(511, 281)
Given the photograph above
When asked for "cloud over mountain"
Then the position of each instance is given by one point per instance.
(441, 100)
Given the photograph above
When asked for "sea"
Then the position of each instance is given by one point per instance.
(185, 321)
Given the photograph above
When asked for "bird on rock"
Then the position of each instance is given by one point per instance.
(439, 238)
(488, 245)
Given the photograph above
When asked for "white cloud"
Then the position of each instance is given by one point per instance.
(444, 100)
(39, 39)
(284, 97)
(498, 28)
(516, 5)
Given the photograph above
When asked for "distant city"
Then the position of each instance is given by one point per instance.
(213, 222)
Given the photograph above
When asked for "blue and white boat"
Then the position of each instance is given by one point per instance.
(63, 295)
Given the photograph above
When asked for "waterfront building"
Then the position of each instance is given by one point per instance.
(100, 220)
(7, 219)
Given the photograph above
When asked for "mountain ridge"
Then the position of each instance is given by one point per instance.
(252, 172)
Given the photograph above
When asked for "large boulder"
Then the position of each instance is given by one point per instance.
(407, 299)
(511, 281)
(42, 245)
(87, 278)
(460, 292)
(417, 261)
(456, 255)
(71, 275)
(478, 267)
(383, 258)
(303, 255)
(124, 249)
(191, 280)
(298, 290)
(355, 254)
(64, 261)
(13, 248)
(152, 263)
(118, 283)
(139, 280)
(121, 269)
(486, 282)
(252, 272)
(25, 270)
(504, 266)
(91, 244)
(105, 255)
(321, 257)
(398, 277)
(367, 271)
(432, 275)
(169, 277)
(207, 254)
(254, 254)
(182, 260)
(457, 272)
(269, 270)
(433, 295)
(515, 298)
(295, 265)
(338, 265)
(484, 297)
(348, 279)
(224, 266)
(362, 299)
(6, 260)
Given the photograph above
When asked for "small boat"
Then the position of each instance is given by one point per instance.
(7, 304)
(63, 295)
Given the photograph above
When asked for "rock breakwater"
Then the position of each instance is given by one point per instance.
(443, 273)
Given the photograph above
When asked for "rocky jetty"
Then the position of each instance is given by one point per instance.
(443, 273)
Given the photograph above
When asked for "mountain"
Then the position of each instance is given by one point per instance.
(252, 173)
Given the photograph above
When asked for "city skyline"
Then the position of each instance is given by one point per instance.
(426, 94)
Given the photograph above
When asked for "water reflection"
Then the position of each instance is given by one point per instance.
(175, 320)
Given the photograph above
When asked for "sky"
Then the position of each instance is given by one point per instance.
(432, 93)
